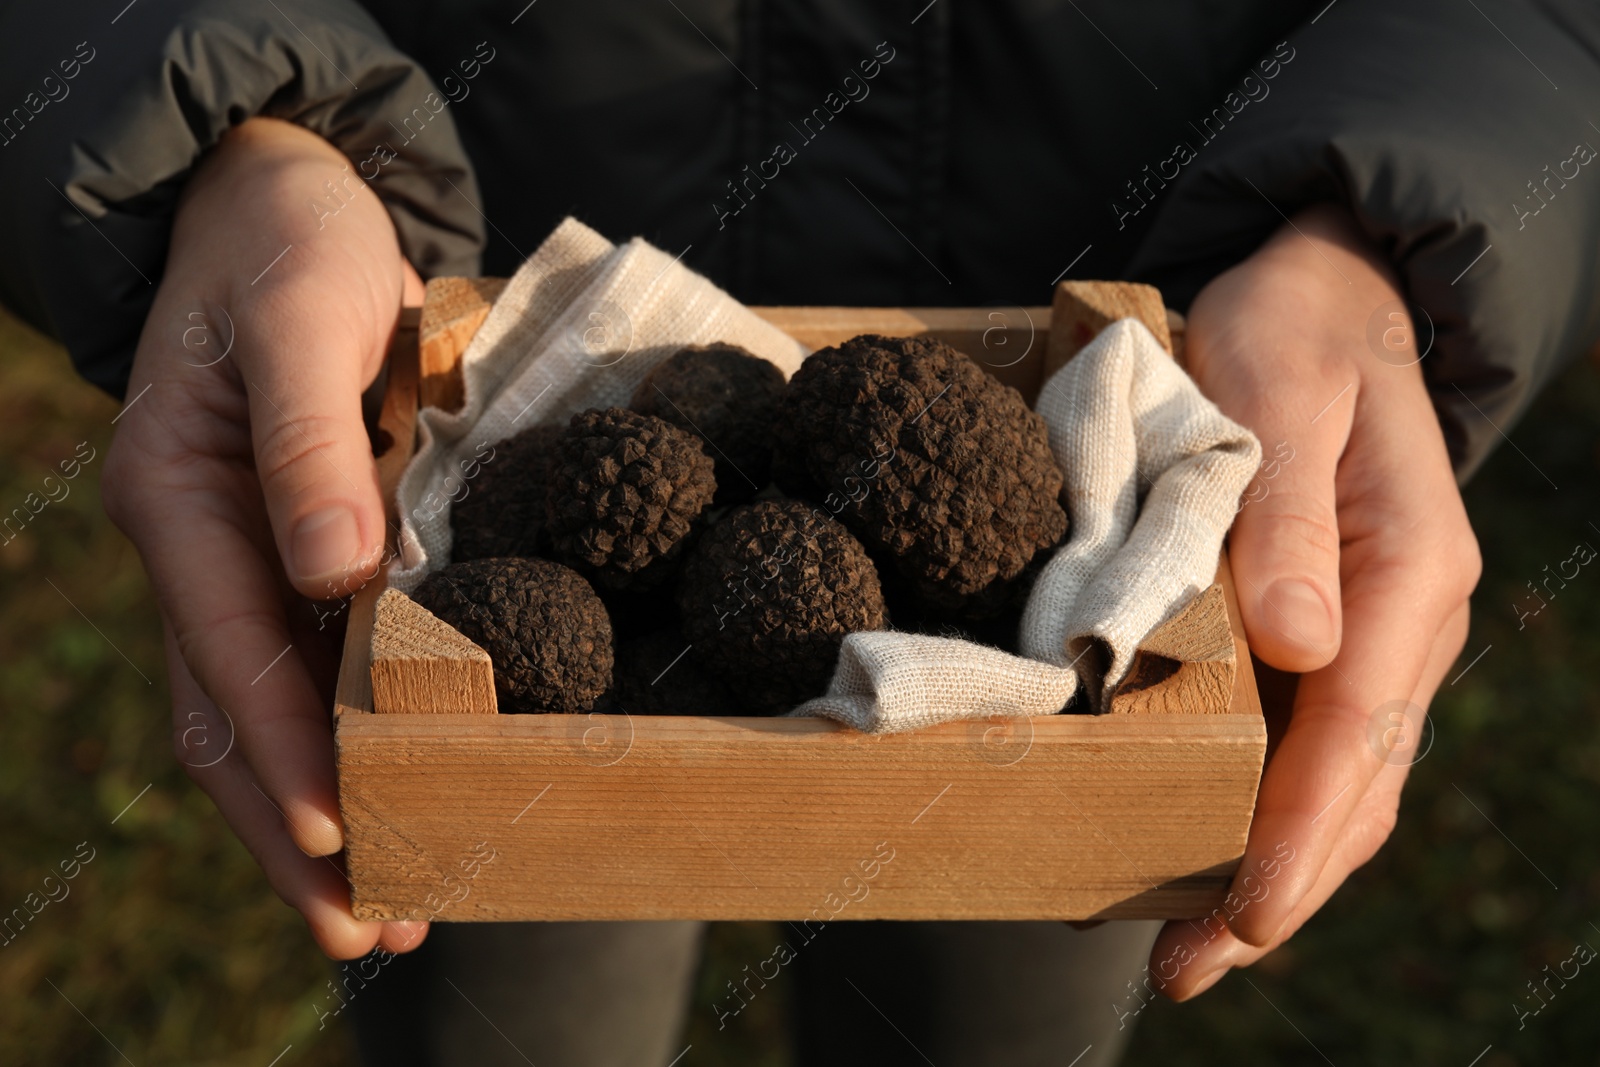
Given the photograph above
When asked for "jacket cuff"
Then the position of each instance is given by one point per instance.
(95, 159)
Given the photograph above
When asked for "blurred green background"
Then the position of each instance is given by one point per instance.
(171, 945)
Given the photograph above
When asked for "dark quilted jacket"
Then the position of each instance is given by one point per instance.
(812, 152)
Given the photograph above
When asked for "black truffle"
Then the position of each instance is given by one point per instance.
(656, 675)
(929, 460)
(769, 593)
(625, 490)
(543, 626)
(997, 626)
(727, 397)
(503, 512)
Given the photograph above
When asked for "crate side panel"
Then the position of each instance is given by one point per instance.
(647, 819)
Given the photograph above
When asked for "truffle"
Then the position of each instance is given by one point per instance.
(727, 397)
(503, 512)
(929, 460)
(543, 626)
(624, 492)
(656, 675)
(997, 626)
(769, 593)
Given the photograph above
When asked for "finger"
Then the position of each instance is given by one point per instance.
(317, 887)
(1409, 561)
(313, 301)
(226, 614)
(313, 886)
(1279, 376)
(313, 454)
(1284, 546)
(1210, 948)
(1445, 652)
(402, 937)
(1326, 760)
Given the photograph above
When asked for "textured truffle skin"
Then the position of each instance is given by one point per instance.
(625, 490)
(656, 676)
(929, 460)
(730, 399)
(543, 626)
(503, 513)
(769, 593)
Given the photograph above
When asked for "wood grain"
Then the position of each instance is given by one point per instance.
(423, 665)
(597, 817)
(1081, 309)
(452, 311)
(1246, 697)
(1187, 664)
(352, 692)
(397, 418)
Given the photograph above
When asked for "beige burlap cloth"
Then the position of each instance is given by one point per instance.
(1153, 476)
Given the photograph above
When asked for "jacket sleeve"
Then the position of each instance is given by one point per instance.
(102, 119)
(1462, 136)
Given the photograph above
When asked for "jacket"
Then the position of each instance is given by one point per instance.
(814, 152)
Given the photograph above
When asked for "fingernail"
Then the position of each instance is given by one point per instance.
(325, 543)
(1298, 612)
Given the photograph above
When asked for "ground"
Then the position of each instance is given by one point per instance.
(169, 947)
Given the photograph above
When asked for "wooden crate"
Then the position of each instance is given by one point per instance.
(1141, 814)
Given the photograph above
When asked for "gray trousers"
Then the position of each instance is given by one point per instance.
(870, 993)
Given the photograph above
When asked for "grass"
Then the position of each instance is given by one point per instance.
(169, 947)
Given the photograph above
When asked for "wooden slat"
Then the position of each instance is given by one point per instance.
(595, 817)
(1246, 697)
(1082, 309)
(353, 691)
(1178, 335)
(1186, 664)
(423, 665)
(452, 311)
(397, 419)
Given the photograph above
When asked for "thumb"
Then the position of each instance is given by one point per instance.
(312, 452)
(1284, 548)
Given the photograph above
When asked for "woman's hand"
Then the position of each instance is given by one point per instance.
(243, 474)
(1353, 558)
